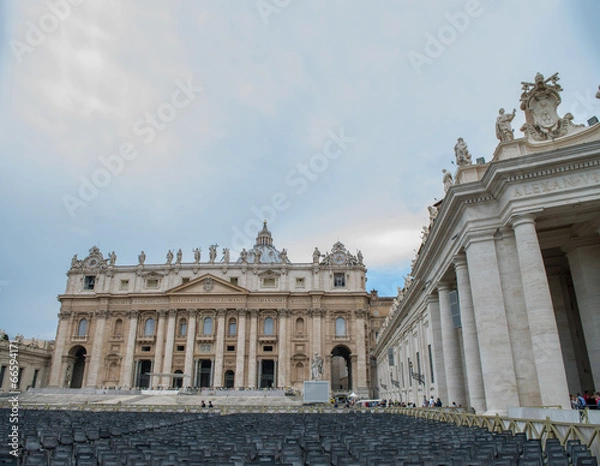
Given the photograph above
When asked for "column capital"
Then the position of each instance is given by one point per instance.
(162, 313)
(172, 312)
(64, 315)
(431, 299)
(221, 312)
(360, 313)
(101, 313)
(242, 311)
(284, 312)
(522, 219)
(460, 260)
(443, 287)
(192, 312)
(253, 313)
(133, 314)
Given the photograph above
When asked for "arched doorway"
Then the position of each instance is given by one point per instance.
(78, 352)
(144, 369)
(178, 381)
(341, 369)
(229, 379)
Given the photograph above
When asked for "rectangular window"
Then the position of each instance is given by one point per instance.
(180, 348)
(390, 357)
(88, 282)
(146, 349)
(152, 283)
(300, 282)
(430, 363)
(269, 282)
(124, 285)
(455, 308)
(2, 371)
(230, 348)
(35, 376)
(233, 280)
(185, 280)
(268, 348)
(339, 280)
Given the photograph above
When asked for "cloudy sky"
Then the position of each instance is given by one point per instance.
(153, 125)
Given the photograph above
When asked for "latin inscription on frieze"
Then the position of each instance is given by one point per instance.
(559, 183)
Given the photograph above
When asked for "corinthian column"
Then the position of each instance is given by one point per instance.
(219, 346)
(540, 312)
(62, 333)
(127, 369)
(96, 355)
(452, 357)
(188, 371)
(160, 346)
(241, 349)
(499, 378)
(168, 362)
(282, 379)
(469, 334)
(361, 370)
(252, 348)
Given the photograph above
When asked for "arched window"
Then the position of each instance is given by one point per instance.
(268, 330)
(340, 327)
(82, 328)
(207, 328)
(182, 328)
(299, 326)
(232, 327)
(118, 329)
(149, 327)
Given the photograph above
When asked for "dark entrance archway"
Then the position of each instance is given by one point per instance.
(143, 377)
(229, 379)
(204, 373)
(267, 373)
(78, 352)
(178, 381)
(341, 368)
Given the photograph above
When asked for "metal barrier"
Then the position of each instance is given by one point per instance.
(587, 434)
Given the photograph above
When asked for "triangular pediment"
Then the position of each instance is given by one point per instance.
(208, 284)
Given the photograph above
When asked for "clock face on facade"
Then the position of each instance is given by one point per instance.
(92, 262)
(339, 258)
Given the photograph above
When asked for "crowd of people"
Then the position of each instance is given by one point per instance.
(587, 400)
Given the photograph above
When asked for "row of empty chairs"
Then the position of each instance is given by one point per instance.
(78, 438)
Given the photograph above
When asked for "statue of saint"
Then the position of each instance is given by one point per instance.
(225, 255)
(284, 257)
(257, 255)
(433, 213)
(212, 253)
(169, 257)
(244, 256)
(462, 153)
(179, 257)
(448, 181)
(316, 256)
(142, 258)
(424, 233)
(112, 258)
(359, 256)
(504, 131)
(75, 263)
(317, 367)
(196, 255)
